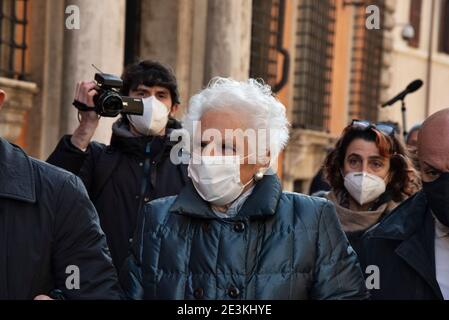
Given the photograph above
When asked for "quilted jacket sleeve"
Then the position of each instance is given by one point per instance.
(337, 272)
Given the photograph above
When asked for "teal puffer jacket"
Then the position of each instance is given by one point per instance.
(281, 245)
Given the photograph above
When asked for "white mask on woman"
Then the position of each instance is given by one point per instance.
(217, 179)
(364, 187)
(154, 118)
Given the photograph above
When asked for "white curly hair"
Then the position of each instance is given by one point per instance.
(252, 98)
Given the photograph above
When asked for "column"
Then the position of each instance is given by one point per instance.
(99, 41)
(228, 39)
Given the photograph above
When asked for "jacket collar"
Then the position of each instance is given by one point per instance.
(413, 224)
(17, 179)
(263, 201)
(405, 220)
(419, 252)
(123, 140)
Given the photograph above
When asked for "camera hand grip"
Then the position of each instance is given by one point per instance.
(82, 106)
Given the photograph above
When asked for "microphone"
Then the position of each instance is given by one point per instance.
(412, 87)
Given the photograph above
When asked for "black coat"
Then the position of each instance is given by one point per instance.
(120, 178)
(48, 223)
(403, 247)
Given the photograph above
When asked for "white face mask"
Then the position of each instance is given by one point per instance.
(217, 179)
(364, 187)
(154, 118)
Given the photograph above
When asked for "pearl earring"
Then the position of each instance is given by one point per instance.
(258, 176)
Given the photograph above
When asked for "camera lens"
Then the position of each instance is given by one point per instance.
(110, 104)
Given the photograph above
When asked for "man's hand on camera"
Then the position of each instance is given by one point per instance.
(85, 91)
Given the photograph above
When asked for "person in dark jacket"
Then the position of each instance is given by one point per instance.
(135, 168)
(319, 184)
(410, 248)
(232, 233)
(50, 238)
(411, 142)
(412, 137)
(370, 174)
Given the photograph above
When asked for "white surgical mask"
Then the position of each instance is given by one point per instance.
(154, 118)
(217, 179)
(364, 187)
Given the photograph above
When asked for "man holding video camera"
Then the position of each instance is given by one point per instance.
(135, 167)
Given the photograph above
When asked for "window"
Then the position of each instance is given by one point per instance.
(313, 64)
(265, 31)
(415, 21)
(444, 27)
(13, 38)
(366, 68)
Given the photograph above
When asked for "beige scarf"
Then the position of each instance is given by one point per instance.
(353, 221)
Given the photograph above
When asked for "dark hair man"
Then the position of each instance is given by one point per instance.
(135, 167)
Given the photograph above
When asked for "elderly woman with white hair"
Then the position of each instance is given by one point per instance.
(232, 233)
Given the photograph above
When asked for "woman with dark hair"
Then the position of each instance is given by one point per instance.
(370, 174)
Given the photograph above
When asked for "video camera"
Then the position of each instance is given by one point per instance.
(108, 102)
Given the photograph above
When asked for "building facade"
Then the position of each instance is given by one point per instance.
(327, 60)
(425, 57)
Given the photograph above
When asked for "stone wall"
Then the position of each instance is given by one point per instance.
(19, 100)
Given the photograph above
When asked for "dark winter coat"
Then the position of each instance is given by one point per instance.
(280, 245)
(121, 177)
(402, 247)
(47, 226)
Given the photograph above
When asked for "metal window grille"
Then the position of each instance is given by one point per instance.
(13, 36)
(313, 64)
(366, 69)
(265, 30)
(415, 21)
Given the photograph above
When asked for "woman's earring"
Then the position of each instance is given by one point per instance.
(258, 175)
